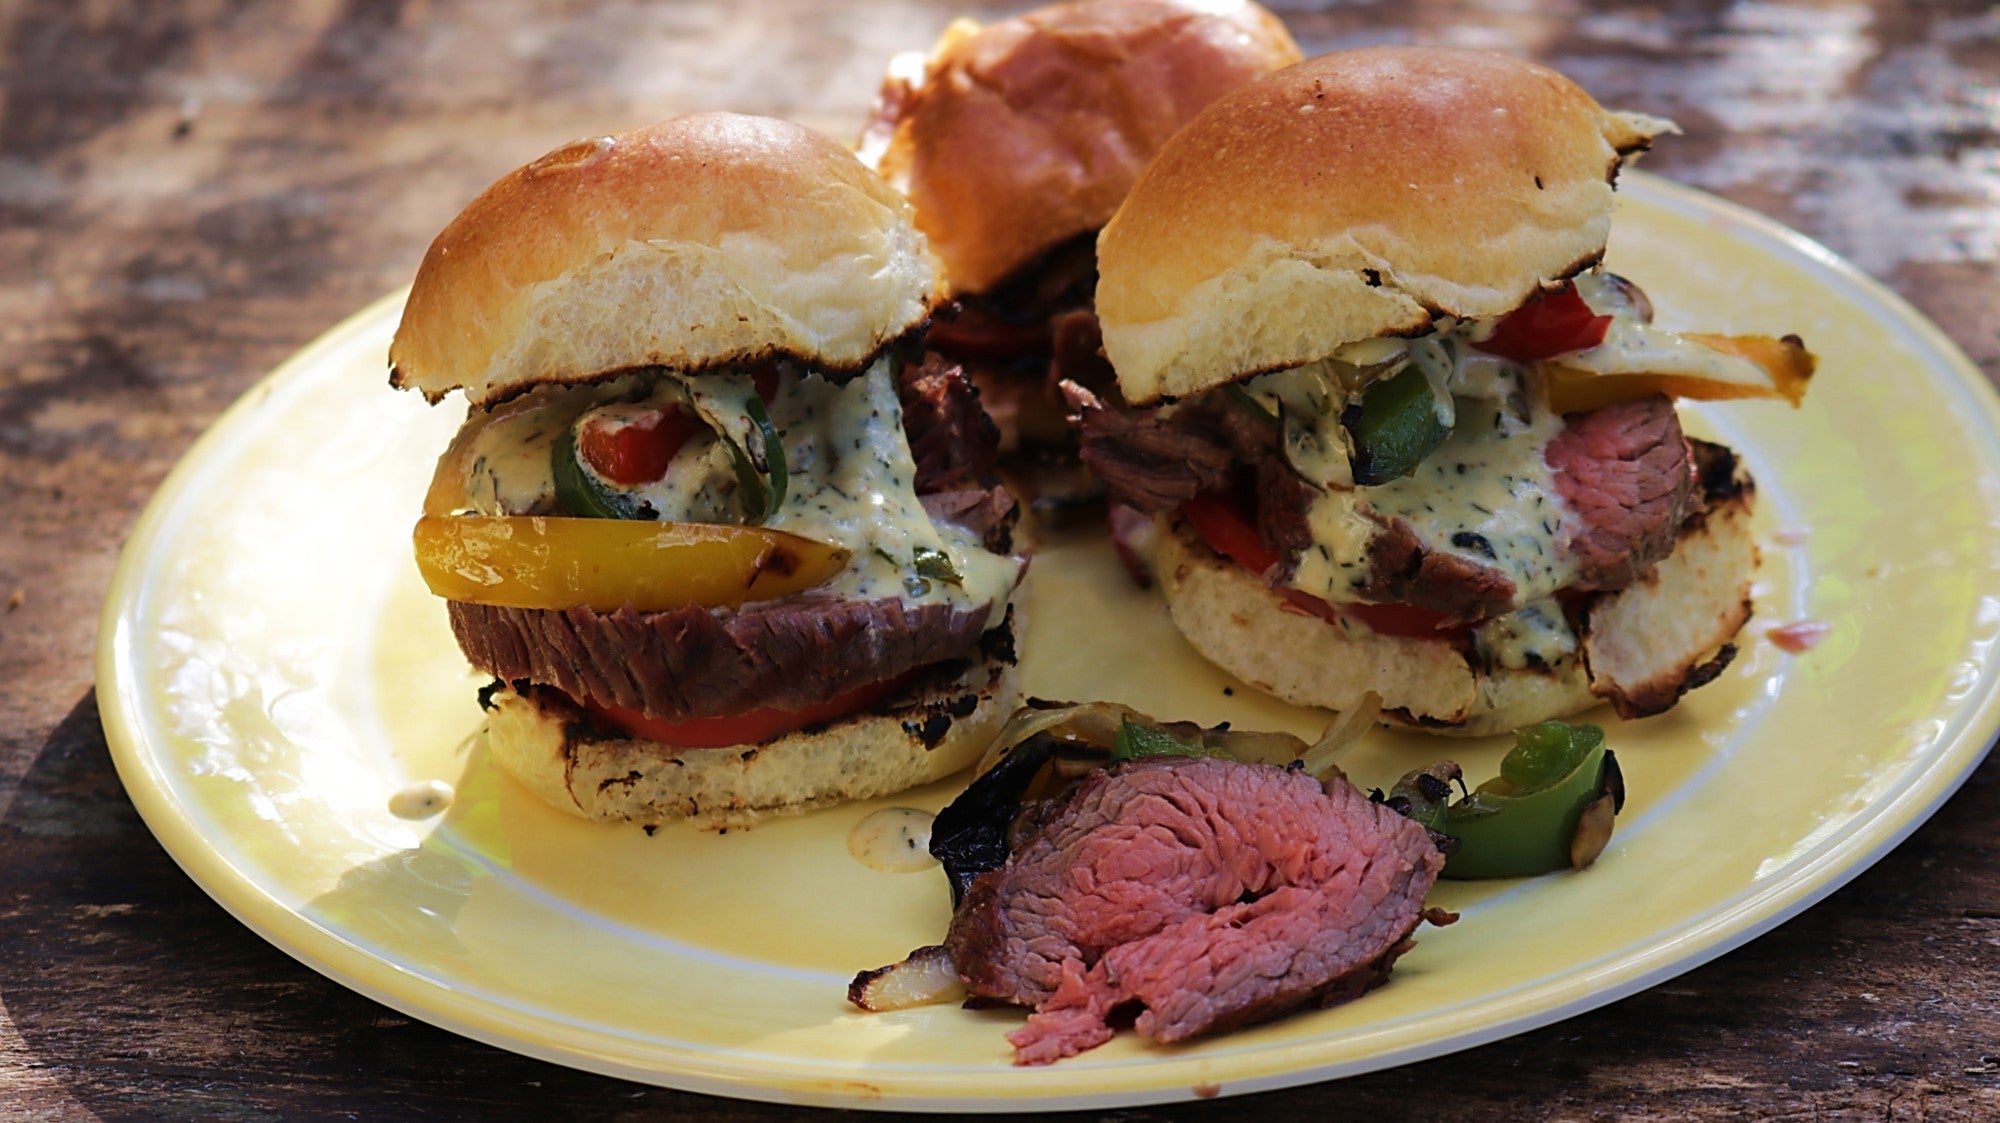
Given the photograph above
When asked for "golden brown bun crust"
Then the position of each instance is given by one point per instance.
(1641, 647)
(1031, 130)
(1357, 194)
(922, 736)
(701, 240)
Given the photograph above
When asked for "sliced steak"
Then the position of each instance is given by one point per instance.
(951, 438)
(1627, 476)
(699, 662)
(1060, 279)
(1402, 569)
(1283, 498)
(1207, 893)
(1149, 460)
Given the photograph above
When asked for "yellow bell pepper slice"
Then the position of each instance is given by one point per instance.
(526, 561)
(1785, 362)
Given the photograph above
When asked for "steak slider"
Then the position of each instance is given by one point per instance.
(683, 526)
(1399, 431)
(1016, 141)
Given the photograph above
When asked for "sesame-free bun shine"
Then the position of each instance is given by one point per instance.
(1357, 194)
(705, 239)
(1027, 132)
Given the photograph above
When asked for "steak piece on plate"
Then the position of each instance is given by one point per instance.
(1196, 894)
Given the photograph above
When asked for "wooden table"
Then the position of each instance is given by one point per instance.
(189, 191)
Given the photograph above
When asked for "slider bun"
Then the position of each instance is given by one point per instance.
(1030, 131)
(1357, 194)
(705, 239)
(540, 740)
(1640, 648)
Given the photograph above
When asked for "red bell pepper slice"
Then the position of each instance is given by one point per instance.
(1549, 324)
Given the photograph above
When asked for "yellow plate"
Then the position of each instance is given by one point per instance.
(271, 672)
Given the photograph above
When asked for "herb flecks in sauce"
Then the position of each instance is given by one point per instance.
(1535, 636)
(1485, 493)
(850, 477)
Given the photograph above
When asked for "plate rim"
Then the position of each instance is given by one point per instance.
(1962, 746)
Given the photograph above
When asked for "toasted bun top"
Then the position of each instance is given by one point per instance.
(1357, 194)
(705, 239)
(1019, 135)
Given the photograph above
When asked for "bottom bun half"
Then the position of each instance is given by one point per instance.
(926, 732)
(1639, 648)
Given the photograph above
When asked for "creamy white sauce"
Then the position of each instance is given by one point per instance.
(1485, 494)
(1632, 346)
(421, 800)
(893, 840)
(1307, 401)
(853, 483)
(1538, 635)
(499, 462)
(851, 477)
(700, 483)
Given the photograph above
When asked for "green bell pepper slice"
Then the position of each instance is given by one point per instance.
(1393, 427)
(1549, 809)
(1137, 740)
(1525, 821)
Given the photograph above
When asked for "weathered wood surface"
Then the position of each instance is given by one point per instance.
(189, 191)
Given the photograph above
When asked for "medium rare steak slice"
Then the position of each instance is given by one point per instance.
(1627, 475)
(1206, 893)
(700, 662)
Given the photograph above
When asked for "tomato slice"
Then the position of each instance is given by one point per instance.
(748, 728)
(1550, 323)
(639, 451)
(1222, 525)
